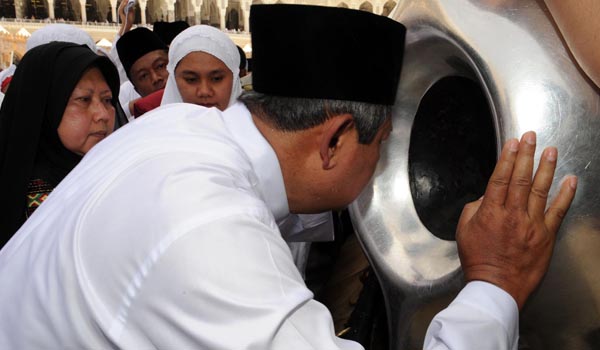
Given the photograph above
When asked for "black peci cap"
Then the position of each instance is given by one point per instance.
(333, 53)
(135, 44)
(167, 31)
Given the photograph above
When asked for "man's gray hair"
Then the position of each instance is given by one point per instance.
(295, 114)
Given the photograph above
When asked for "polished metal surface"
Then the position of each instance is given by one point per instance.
(512, 50)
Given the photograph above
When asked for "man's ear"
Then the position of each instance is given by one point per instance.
(334, 128)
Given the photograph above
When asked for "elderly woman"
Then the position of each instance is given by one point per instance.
(203, 69)
(61, 103)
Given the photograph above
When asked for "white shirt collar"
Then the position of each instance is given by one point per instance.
(262, 156)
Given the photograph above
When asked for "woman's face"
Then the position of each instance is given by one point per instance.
(89, 116)
(204, 80)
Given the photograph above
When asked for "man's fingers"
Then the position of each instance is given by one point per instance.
(542, 183)
(498, 185)
(520, 181)
(560, 205)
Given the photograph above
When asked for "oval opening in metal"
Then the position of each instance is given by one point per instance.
(452, 152)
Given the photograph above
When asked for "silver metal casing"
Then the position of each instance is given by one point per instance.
(513, 52)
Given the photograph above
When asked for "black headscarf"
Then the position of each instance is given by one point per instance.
(30, 147)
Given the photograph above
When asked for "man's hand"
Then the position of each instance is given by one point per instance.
(507, 237)
(126, 21)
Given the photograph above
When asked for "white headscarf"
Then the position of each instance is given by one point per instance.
(60, 32)
(206, 39)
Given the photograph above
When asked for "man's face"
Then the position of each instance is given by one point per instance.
(365, 162)
(355, 168)
(149, 73)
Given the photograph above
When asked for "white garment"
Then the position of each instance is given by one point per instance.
(300, 230)
(60, 32)
(206, 39)
(174, 245)
(8, 72)
(486, 316)
(127, 94)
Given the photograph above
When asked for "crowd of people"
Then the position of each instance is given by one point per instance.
(154, 197)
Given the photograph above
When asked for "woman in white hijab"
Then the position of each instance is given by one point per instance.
(203, 69)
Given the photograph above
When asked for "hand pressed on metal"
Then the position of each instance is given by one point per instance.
(507, 237)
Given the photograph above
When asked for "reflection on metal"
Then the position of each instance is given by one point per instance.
(512, 52)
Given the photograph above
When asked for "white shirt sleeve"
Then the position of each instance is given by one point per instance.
(482, 316)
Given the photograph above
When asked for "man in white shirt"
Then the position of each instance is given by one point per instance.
(175, 244)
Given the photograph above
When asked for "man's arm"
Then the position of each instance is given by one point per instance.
(482, 316)
(507, 237)
(579, 25)
(505, 242)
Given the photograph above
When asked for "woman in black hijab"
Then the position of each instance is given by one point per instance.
(52, 114)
